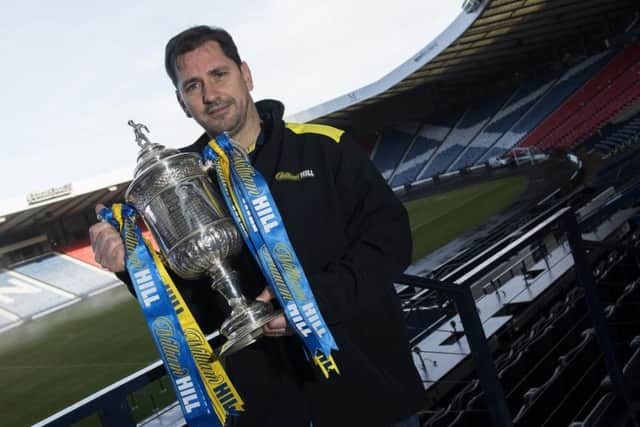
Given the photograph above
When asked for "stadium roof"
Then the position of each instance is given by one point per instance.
(498, 40)
(486, 45)
(20, 215)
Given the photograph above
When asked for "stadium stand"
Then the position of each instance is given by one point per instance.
(423, 148)
(561, 89)
(613, 138)
(392, 146)
(584, 110)
(470, 124)
(37, 287)
(552, 371)
(25, 297)
(500, 130)
(8, 320)
(487, 129)
(501, 122)
(80, 250)
(619, 96)
(68, 274)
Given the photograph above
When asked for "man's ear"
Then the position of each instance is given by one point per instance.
(183, 105)
(246, 75)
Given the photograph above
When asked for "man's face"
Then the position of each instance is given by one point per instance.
(213, 89)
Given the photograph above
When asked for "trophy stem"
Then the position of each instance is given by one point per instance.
(244, 324)
(225, 281)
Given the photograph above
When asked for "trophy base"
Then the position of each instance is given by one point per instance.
(244, 327)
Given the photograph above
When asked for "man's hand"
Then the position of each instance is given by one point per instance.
(277, 327)
(107, 245)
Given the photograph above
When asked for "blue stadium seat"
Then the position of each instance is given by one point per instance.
(67, 274)
(540, 401)
(572, 80)
(613, 137)
(25, 297)
(426, 143)
(392, 146)
(476, 122)
(528, 96)
(519, 102)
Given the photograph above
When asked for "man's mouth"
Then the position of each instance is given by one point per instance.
(215, 111)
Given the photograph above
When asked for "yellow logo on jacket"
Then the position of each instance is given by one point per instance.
(288, 176)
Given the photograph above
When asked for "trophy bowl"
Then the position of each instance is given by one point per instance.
(173, 194)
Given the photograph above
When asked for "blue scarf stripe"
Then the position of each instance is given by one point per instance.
(270, 246)
(164, 325)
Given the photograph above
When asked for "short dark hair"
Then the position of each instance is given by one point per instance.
(191, 39)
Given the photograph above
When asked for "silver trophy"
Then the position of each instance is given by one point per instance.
(174, 196)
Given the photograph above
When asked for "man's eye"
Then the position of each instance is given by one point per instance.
(219, 74)
(191, 87)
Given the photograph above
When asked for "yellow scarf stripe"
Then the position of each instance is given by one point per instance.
(218, 385)
(116, 209)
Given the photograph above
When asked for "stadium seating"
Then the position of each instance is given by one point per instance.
(394, 143)
(529, 93)
(424, 146)
(571, 80)
(613, 138)
(486, 129)
(582, 112)
(24, 297)
(67, 274)
(80, 250)
(553, 372)
(519, 102)
(471, 123)
(618, 96)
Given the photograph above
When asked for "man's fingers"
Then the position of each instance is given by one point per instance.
(277, 327)
(100, 234)
(265, 295)
(278, 323)
(107, 246)
(96, 231)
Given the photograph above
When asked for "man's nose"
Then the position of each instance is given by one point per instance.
(209, 93)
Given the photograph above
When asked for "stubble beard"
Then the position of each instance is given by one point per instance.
(231, 124)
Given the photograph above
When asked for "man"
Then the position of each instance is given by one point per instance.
(349, 231)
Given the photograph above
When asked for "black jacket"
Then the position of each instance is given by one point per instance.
(352, 237)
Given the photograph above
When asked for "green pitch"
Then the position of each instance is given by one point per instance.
(437, 219)
(50, 363)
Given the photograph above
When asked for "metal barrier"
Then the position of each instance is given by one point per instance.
(109, 403)
(562, 222)
(465, 303)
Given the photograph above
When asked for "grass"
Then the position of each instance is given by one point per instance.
(440, 218)
(50, 363)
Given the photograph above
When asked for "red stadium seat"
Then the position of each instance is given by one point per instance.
(609, 91)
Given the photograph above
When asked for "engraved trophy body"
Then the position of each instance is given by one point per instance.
(179, 204)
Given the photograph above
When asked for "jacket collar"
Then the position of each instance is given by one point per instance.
(267, 157)
(270, 112)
